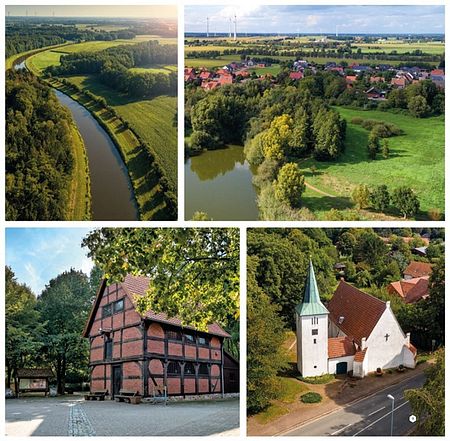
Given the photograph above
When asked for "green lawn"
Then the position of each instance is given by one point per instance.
(272, 70)
(416, 160)
(37, 63)
(152, 119)
(80, 197)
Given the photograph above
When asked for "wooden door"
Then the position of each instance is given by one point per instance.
(116, 380)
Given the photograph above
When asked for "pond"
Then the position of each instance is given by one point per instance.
(219, 182)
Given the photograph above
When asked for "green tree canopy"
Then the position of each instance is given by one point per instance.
(194, 272)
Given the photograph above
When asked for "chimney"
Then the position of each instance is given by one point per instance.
(363, 343)
(408, 338)
(388, 304)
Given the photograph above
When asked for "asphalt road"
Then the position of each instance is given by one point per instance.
(370, 416)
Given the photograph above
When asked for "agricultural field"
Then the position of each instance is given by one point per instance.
(155, 69)
(156, 129)
(416, 160)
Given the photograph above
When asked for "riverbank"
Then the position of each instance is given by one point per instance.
(80, 190)
(14, 59)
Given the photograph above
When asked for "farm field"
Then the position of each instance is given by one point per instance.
(416, 160)
(155, 69)
(156, 129)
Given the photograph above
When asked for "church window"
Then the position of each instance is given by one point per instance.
(315, 341)
(315, 332)
(315, 320)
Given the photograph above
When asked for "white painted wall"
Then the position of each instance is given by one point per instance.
(382, 353)
(334, 331)
(409, 360)
(312, 358)
(332, 363)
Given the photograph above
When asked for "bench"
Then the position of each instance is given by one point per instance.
(97, 395)
(128, 396)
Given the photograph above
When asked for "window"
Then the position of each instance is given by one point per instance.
(118, 306)
(203, 369)
(188, 338)
(315, 320)
(106, 311)
(174, 335)
(315, 332)
(173, 368)
(189, 369)
(203, 341)
(108, 348)
(315, 341)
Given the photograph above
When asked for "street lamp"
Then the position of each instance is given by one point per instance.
(392, 413)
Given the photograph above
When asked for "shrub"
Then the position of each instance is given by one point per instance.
(357, 120)
(201, 140)
(322, 379)
(311, 397)
(434, 214)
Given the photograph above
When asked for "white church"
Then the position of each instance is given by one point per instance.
(356, 333)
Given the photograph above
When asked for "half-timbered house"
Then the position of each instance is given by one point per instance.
(151, 352)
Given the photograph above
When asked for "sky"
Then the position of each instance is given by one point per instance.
(37, 255)
(254, 18)
(129, 11)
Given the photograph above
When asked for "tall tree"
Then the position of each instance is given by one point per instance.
(64, 305)
(265, 336)
(194, 272)
(23, 327)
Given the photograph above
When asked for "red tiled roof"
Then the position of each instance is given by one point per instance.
(360, 311)
(34, 373)
(437, 72)
(419, 291)
(403, 287)
(359, 356)
(412, 348)
(340, 347)
(139, 286)
(295, 75)
(418, 269)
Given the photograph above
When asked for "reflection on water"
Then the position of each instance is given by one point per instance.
(219, 182)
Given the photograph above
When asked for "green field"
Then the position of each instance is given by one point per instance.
(272, 70)
(37, 63)
(156, 129)
(155, 69)
(9, 62)
(80, 203)
(416, 160)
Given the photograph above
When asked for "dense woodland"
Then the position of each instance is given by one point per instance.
(112, 67)
(278, 262)
(21, 37)
(39, 153)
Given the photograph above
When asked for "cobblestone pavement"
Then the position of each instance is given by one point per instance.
(75, 417)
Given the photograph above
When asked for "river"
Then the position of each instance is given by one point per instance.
(112, 196)
(219, 182)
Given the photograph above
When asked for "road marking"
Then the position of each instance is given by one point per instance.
(379, 419)
(340, 430)
(374, 412)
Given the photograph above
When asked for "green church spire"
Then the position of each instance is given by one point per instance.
(311, 304)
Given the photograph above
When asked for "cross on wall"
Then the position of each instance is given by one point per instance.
(386, 336)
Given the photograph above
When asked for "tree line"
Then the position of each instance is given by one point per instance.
(39, 150)
(112, 65)
(21, 38)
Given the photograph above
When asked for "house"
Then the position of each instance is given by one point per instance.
(411, 290)
(417, 269)
(296, 75)
(209, 85)
(205, 75)
(356, 333)
(149, 353)
(225, 79)
(350, 79)
(420, 251)
(189, 74)
(360, 69)
(375, 94)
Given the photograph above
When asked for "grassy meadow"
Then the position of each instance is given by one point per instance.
(416, 159)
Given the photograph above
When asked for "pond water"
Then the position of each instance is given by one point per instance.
(219, 182)
(111, 191)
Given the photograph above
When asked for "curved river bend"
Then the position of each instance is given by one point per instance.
(112, 196)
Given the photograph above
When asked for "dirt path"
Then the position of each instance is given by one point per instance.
(311, 187)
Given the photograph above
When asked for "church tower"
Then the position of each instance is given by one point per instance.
(311, 318)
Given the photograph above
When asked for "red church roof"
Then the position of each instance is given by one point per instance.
(340, 347)
(355, 312)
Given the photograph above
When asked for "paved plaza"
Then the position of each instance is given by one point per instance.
(72, 416)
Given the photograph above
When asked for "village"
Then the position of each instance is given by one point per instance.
(379, 79)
